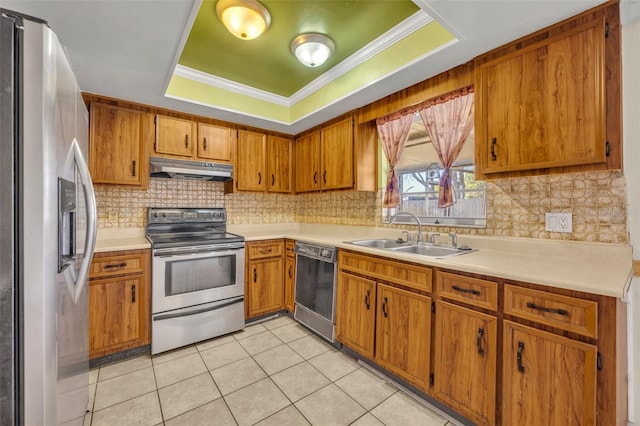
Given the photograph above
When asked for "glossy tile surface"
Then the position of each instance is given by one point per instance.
(275, 373)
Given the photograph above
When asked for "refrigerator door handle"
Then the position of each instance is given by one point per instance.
(92, 220)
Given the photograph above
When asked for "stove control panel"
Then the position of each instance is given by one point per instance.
(186, 215)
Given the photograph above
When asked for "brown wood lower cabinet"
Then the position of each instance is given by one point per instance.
(119, 302)
(264, 289)
(465, 361)
(356, 313)
(403, 334)
(547, 379)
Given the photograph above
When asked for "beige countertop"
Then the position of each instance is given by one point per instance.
(117, 239)
(597, 268)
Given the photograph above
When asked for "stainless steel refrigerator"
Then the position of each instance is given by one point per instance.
(47, 229)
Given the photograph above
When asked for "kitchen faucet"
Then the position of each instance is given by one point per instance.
(419, 237)
(454, 239)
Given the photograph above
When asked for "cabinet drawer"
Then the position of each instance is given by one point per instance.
(288, 248)
(108, 266)
(263, 249)
(414, 276)
(567, 313)
(474, 291)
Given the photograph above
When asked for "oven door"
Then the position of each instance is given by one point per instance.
(196, 275)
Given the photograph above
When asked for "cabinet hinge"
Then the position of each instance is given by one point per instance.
(599, 362)
(433, 307)
(431, 379)
(607, 148)
(606, 30)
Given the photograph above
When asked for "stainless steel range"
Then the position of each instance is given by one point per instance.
(197, 276)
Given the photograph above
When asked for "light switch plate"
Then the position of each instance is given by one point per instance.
(558, 222)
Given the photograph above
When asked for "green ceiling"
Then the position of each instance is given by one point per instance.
(266, 63)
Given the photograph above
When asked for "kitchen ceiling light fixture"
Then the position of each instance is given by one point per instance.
(312, 49)
(245, 19)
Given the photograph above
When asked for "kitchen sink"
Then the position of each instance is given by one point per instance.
(432, 251)
(381, 243)
(427, 250)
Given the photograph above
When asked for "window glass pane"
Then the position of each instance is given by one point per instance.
(419, 171)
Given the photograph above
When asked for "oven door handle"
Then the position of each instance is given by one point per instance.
(197, 254)
(199, 311)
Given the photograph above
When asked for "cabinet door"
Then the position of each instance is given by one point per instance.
(214, 142)
(289, 282)
(465, 361)
(264, 286)
(355, 313)
(543, 106)
(337, 155)
(279, 164)
(116, 314)
(175, 136)
(250, 170)
(116, 154)
(403, 334)
(547, 379)
(307, 154)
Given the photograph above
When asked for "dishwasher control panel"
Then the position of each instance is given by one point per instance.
(316, 251)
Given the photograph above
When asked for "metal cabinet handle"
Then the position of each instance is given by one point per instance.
(273, 179)
(266, 250)
(133, 168)
(204, 143)
(315, 177)
(519, 356)
(133, 293)
(494, 141)
(466, 290)
(479, 340)
(550, 310)
(384, 307)
(324, 177)
(255, 275)
(117, 265)
(259, 178)
(290, 273)
(367, 299)
(186, 141)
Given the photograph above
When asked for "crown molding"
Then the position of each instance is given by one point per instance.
(232, 86)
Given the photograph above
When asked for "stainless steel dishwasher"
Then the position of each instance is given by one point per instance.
(315, 288)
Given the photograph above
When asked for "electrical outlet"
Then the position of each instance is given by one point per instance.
(558, 222)
(113, 216)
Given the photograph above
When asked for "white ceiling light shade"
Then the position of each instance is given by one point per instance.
(312, 49)
(245, 19)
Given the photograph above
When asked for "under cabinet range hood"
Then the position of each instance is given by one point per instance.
(185, 169)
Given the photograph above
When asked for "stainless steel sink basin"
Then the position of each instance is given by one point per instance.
(436, 252)
(381, 243)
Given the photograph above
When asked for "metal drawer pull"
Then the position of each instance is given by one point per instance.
(324, 177)
(133, 294)
(466, 290)
(367, 299)
(117, 265)
(384, 307)
(186, 141)
(550, 310)
(133, 168)
(255, 275)
(266, 251)
(494, 157)
(290, 274)
(205, 144)
(519, 357)
(259, 178)
(273, 179)
(315, 177)
(479, 340)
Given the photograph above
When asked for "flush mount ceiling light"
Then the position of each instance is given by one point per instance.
(312, 49)
(245, 19)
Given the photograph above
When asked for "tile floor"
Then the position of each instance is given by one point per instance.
(272, 373)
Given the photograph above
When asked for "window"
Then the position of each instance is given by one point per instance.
(419, 172)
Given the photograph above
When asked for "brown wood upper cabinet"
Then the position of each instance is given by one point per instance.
(175, 136)
(214, 142)
(264, 162)
(324, 159)
(116, 153)
(543, 105)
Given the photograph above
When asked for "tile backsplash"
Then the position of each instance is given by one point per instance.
(515, 207)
